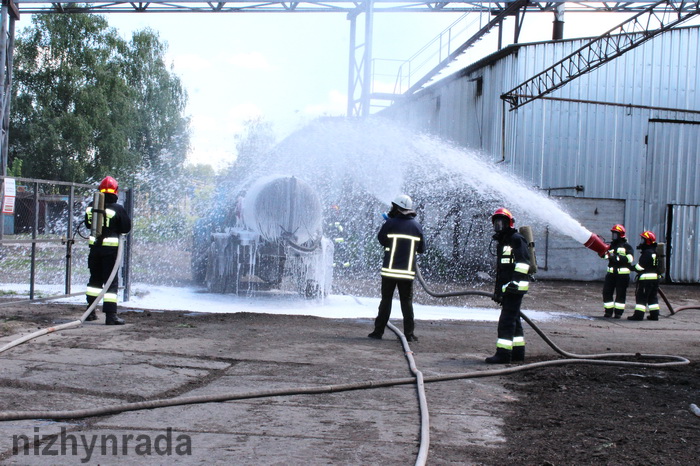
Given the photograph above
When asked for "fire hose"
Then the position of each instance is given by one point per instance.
(422, 456)
(670, 308)
(75, 323)
(449, 294)
(679, 360)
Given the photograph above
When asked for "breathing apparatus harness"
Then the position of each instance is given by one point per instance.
(98, 217)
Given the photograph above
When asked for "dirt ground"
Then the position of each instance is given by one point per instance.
(557, 415)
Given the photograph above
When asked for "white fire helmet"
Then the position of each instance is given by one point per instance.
(404, 202)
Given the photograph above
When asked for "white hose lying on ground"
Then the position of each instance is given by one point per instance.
(422, 456)
(75, 323)
(310, 390)
(695, 410)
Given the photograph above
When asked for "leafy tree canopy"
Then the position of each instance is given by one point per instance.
(87, 103)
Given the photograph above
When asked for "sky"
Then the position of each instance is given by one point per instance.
(289, 68)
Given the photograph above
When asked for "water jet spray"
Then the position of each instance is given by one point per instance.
(361, 165)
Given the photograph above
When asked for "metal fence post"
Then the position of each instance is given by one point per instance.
(69, 241)
(126, 269)
(35, 228)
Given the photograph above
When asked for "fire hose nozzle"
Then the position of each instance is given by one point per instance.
(596, 243)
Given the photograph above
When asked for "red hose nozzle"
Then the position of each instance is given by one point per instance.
(596, 243)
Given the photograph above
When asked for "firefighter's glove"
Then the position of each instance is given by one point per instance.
(497, 298)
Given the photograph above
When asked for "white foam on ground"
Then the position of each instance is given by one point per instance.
(148, 297)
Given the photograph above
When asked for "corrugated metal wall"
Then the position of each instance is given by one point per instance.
(682, 242)
(554, 143)
(559, 256)
(672, 194)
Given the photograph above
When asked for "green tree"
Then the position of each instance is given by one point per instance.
(87, 103)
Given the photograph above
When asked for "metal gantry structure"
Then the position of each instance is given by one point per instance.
(343, 6)
(632, 33)
(648, 21)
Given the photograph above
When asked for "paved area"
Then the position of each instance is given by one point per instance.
(164, 355)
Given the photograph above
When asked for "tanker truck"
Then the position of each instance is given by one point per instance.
(270, 239)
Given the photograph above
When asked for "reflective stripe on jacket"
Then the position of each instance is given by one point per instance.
(402, 238)
(619, 257)
(648, 263)
(116, 222)
(513, 263)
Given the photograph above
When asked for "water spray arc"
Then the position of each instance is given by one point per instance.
(361, 165)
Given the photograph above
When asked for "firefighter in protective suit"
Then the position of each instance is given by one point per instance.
(647, 280)
(512, 282)
(103, 251)
(402, 238)
(617, 279)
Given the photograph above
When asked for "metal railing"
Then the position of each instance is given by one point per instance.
(403, 72)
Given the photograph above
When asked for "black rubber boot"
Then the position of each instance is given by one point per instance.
(92, 316)
(112, 319)
(375, 335)
(411, 337)
(502, 356)
(608, 313)
(518, 354)
(618, 313)
(638, 315)
(653, 315)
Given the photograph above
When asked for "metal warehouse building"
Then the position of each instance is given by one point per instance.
(619, 144)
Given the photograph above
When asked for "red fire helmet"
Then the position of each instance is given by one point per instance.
(503, 212)
(109, 185)
(619, 229)
(649, 237)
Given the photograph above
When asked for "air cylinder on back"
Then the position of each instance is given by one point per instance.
(526, 231)
(661, 258)
(279, 207)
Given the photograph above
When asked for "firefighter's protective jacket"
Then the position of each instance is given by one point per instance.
(620, 257)
(402, 238)
(512, 263)
(116, 222)
(647, 265)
